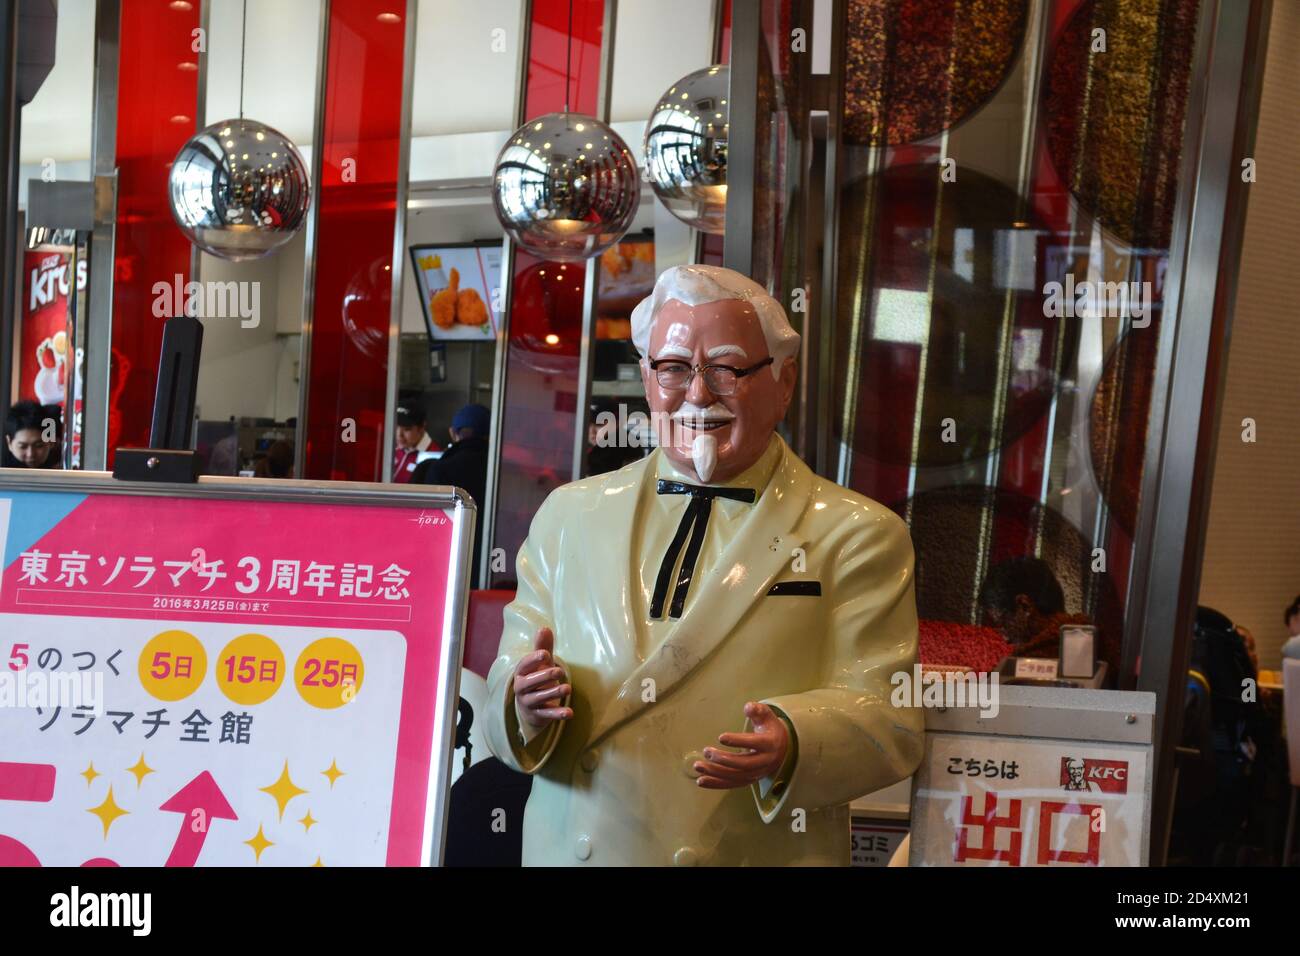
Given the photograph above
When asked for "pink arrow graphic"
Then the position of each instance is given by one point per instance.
(32, 782)
(201, 793)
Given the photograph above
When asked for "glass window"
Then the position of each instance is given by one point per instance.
(1004, 227)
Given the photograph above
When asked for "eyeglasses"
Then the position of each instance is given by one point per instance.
(718, 379)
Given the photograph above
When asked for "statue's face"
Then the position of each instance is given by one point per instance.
(714, 436)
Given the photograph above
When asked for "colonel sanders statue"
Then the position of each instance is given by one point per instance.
(696, 669)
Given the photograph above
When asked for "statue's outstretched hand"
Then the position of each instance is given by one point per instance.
(539, 684)
(762, 752)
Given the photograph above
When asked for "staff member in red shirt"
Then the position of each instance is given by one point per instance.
(412, 441)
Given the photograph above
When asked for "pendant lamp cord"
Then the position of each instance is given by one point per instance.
(243, 49)
(568, 56)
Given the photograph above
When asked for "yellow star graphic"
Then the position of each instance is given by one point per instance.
(307, 821)
(318, 862)
(90, 773)
(108, 811)
(141, 770)
(283, 790)
(259, 842)
(333, 772)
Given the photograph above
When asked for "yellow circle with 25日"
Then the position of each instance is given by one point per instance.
(250, 669)
(329, 673)
(172, 665)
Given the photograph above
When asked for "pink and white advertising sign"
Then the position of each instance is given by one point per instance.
(223, 679)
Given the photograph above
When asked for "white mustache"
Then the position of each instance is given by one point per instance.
(716, 412)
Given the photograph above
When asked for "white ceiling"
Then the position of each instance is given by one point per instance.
(656, 43)
(461, 85)
(56, 124)
(279, 63)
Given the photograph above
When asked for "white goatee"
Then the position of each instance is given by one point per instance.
(704, 453)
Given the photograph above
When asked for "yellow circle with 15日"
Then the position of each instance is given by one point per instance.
(329, 673)
(172, 665)
(250, 669)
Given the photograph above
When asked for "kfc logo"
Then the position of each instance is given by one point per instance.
(1095, 776)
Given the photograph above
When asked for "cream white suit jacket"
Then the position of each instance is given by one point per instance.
(614, 785)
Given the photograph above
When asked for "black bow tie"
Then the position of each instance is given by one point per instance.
(694, 522)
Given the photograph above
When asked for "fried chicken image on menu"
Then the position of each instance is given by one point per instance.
(613, 261)
(443, 304)
(470, 309)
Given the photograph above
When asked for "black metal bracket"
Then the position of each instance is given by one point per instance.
(170, 457)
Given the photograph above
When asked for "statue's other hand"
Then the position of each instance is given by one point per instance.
(539, 684)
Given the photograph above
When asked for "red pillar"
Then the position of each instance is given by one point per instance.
(157, 91)
(356, 216)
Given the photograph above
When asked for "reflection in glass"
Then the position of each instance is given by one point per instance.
(999, 300)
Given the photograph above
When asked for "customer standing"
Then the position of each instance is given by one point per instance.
(464, 464)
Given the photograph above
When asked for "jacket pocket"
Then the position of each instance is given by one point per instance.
(795, 589)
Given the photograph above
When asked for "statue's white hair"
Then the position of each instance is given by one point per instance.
(700, 285)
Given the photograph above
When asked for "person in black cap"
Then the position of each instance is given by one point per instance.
(464, 464)
(412, 441)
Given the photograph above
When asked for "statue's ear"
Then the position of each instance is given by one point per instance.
(789, 373)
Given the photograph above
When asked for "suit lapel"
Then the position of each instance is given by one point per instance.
(610, 532)
(745, 570)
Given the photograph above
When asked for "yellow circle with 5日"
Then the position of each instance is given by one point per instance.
(250, 669)
(172, 665)
(329, 673)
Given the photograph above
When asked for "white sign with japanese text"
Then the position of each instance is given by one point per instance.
(1015, 801)
(873, 843)
(1036, 668)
